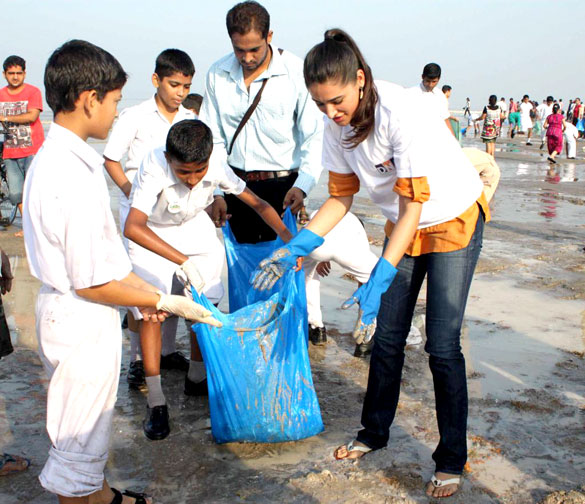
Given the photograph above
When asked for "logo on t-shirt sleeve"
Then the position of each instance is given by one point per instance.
(386, 166)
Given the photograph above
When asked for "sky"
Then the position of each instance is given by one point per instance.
(503, 47)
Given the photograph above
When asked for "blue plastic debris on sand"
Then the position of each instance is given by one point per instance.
(258, 371)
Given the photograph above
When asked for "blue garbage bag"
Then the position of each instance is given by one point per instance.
(242, 259)
(258, 371)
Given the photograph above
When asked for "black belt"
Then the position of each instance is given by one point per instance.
(254, 176)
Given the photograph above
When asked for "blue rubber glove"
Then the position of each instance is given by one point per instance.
(271, 269)
(369, 298)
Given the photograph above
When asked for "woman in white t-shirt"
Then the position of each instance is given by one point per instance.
(432, 196)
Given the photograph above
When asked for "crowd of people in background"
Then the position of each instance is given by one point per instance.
(554, 125)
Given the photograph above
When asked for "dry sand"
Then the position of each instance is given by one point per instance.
(523, 340)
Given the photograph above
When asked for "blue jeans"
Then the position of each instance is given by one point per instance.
(449, 277)
(15, 173)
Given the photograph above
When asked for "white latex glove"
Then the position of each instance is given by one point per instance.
(193, 276)
(185, 308)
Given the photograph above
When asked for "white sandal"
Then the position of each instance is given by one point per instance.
(351, 447)
(437, 483)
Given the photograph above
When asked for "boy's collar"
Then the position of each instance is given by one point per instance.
(76, 145)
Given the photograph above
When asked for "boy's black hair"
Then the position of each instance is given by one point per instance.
(172, 61)
(247, 16)
(193, 102)
(446, 88)
(79, 66)
(431, 71)
(14, 61)
(189, 141)
(526, 96)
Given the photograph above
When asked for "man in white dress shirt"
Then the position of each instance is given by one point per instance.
(278, 151)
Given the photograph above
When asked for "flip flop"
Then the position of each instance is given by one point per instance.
(10, 464)
(351, 447)
(118, 496)
(437, 483)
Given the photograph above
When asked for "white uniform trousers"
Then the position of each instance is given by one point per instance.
(197, 239)
(571, 147)
(80, 344)
(347, 245)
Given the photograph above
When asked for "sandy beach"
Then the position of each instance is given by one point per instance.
(524, 341)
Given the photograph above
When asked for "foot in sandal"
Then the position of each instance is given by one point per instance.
(353, 450)
(443, 485)
(10, 464)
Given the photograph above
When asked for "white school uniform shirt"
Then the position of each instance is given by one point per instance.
(402, 147)
(284, 132)
(70, 236)
(433, 102)
(525, 119)
(138, 130)
(543, 111)
(171, 206)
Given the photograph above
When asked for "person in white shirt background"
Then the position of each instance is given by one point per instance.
(525, 119)
(434, 100)
(504, 108)
(138, 130)
(571, 135)
(278, 151)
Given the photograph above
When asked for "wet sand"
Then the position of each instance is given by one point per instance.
(524, 344)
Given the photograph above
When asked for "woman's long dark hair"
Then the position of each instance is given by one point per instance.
(338, 59)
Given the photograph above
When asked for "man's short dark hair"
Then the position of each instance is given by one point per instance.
(244, 17)
(193, 101)
(446, 88)
(526, 96)
(549, 98)
(79, 66)
(431, 71)
(14, 61)
(189, 141)
(172, 61)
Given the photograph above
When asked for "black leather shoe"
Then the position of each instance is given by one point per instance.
(135, 376)
(175, 360)
(318, 335)
(195, 389)
(156, 423)
(363, 350)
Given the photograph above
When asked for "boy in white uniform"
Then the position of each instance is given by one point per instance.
(525, 120)
(138, 130)
(170, 233)
(74, 249)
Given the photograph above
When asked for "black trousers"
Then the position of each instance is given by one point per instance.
(246, 224)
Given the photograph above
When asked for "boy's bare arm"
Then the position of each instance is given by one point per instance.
(125, 293)
(268, 214)
(137, 231)
(26, 118)
(116, 172)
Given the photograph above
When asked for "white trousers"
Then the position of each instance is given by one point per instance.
(347, 245)
(80, 344)
(199, 241)
(571, 147)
